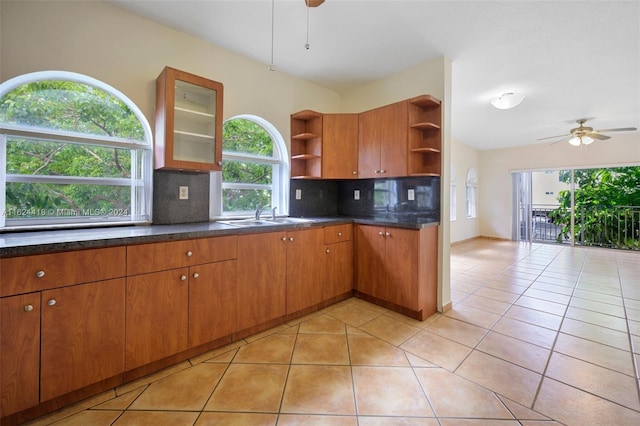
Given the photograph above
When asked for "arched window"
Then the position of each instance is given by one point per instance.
(74, 151)
(453, 206)
(255, 168)
(472, 193)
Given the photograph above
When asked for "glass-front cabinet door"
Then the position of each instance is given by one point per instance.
(188, 122)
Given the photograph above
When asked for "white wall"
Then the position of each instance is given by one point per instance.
(463, 157)
(128, 52)
(496, 166)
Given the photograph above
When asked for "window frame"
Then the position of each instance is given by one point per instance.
(472, 193)
(140, 209)
(281, 170)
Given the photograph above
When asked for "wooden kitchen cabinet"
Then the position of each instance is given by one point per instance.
(19, 352)
(212, 301)
(172, 288)
(338, 261)
(157, 316)
(382, 141)
(306, 260)
(83, 336)
(306, 145)
(188, 122)
(261, 278)
(425, 138)
(340, 146)
(398, 267)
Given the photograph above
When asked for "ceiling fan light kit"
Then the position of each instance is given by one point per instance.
(585, 135)
(507, 100)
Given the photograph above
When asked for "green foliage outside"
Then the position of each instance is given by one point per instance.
(246, 137)
(71, 107)
(607, 207)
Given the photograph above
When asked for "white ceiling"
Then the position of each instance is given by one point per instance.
(571, 59)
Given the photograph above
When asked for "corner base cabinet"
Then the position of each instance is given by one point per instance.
(397, 268)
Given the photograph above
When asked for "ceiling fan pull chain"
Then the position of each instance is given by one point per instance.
(307, 45)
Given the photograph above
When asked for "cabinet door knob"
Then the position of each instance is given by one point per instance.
(183, 277)
(339, 234)
(51, 302)
(328, 250)
(354, 172)
(387, 234)
(290, 238)
(28, 308)
(189, 253)
(196, 275)
(383, 171)
(40, 274)
(381, 233)
(284, 238)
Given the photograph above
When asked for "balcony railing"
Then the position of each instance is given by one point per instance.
(612, 227)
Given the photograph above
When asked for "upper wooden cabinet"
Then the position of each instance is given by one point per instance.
(306, 145)
(340, 146)
(425, 138)
(382, 142)
(188, 122)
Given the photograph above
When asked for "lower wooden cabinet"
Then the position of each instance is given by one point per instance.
(157, 316)
(56, 341)
(212, 301)
(82, 336)
(398, 266)
(306, 262)
(262, 291)
(19, 353)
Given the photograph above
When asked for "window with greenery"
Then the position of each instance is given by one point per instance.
(472, 193)
(73, 152)
(255, 168)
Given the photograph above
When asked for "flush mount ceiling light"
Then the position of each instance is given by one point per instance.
(507, 100)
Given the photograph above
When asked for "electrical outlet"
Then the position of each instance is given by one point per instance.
(298, 194)
(411, 194)
(184, 193)
(356, 194)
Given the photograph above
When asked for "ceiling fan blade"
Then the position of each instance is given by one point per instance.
(596, 135)
(621, 129)
(553, 137)
(558, 141)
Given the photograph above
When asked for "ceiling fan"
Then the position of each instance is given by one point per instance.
(584, 135)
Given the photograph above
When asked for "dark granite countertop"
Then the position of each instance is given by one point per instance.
(49, 241)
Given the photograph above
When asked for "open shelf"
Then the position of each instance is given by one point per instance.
(425, 102)
(306, 145)
(425, 150)
(305, 157)
(425, 136)
(305, 136)
(306, 115)
(425, 126)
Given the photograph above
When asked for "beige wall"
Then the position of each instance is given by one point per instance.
(128, 52)
(494, 187)
(463, 157)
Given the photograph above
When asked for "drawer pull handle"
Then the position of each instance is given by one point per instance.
(196, 275)
(51, 302)
(28, 308)
(189, 254)
(40, 274)
(183, 278)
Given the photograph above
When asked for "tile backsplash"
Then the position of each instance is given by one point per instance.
(168, 208)
(405, 196)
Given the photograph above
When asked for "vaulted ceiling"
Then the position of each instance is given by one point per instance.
(571, 59)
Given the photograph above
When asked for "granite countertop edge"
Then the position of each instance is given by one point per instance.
(41, 242)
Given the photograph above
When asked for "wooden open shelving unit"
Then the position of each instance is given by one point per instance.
(425, 136)
(306, 145)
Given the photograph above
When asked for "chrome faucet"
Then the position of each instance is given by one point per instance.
(260, 209)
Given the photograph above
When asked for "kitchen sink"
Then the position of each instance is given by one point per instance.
(266, 222)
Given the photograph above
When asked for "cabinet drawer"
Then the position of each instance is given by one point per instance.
(177, 254)
(45, 271)
(337, 233)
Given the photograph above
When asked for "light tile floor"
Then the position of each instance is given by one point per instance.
(538, 335)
